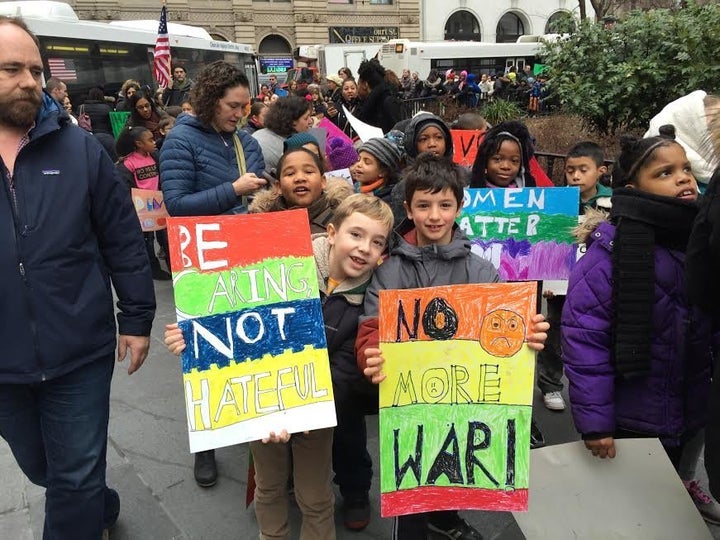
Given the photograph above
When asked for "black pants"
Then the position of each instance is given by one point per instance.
(549, 360)
(351, 461)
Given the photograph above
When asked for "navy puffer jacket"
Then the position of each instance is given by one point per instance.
(198, 166)
(68, 231)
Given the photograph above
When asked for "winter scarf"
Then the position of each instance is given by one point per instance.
(642, 221)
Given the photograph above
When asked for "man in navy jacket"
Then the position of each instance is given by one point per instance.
(67, 231)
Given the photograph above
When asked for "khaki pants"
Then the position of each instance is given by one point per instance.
(311, 456)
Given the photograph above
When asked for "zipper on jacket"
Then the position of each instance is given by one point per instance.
(12, 192)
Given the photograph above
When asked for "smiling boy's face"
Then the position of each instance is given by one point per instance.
(357, 245)
(434, 216)
(301, 182)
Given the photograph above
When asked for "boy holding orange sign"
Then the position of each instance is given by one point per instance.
(430, 251)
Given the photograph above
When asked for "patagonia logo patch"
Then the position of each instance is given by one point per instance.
(51, 172)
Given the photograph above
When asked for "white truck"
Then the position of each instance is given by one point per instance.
(329, 58)
(333, 56)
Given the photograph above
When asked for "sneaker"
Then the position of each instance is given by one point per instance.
(356, 514)
(554, 401)
(536, 437)
(706, 505)
(205, 469)
(461, 530)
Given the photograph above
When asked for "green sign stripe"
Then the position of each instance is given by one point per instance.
(269, 282)
(442, 425)
(545, 227)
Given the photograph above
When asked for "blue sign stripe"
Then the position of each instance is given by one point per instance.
(554, 200)
(252, 333)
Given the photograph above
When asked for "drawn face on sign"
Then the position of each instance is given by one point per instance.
(502, 333)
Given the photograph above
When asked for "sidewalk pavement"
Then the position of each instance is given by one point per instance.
(151, 467)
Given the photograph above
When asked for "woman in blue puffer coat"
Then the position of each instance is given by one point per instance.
(207, 165)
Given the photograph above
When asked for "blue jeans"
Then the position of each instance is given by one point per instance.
(57, 431)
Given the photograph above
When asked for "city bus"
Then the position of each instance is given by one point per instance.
(474, 56)
(84, 54)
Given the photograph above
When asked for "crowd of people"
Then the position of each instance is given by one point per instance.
(637, 350)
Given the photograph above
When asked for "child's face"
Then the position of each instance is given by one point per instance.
(584, 173)
(367, 169)
(357, 246)
(503, 166)
(434, 216)
(165, 130)
(668, 173)
(146, 143)
(186, 107)
(301, 182)
(431, 139)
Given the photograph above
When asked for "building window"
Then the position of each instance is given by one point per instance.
(462, 26)
(560, 22)
(509, 29)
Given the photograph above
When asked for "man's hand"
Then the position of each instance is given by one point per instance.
(138, 345)
(601, 448)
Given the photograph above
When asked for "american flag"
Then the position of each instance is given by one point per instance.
(161, 62)
(62, 69)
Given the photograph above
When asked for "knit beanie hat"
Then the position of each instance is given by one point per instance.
(383, 150)
(419, 123)
(299, 140)
(341, 153)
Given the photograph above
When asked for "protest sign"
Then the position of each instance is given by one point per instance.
(364, 131)
(455, 407)
(525, 233)
(150, 208)
(638, 494)
(248, 305)
(465, 145)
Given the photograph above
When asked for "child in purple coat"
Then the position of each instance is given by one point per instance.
(637, 354)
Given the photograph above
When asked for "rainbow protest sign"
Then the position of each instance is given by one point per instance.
(456, 405)
(248, 305)
(526, 233)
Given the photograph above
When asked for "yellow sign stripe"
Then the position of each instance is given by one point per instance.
(455, 371)
(221, 397)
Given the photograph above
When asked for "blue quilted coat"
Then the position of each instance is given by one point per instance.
(198, 166)
(672, 400)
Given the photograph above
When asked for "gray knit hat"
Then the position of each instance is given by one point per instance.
(383, 150)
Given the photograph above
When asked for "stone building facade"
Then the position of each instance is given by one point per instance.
(274, 27)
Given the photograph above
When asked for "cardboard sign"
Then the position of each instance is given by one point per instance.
(525, 233)
(638, 494)
(248, 305)
(465, 145)
(455, 407)
(150, 208)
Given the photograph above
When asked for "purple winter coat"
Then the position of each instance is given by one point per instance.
(672, 399)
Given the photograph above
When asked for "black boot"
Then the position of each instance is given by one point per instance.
(536, 437)
(205, 469)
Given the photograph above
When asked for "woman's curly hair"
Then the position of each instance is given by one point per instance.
(210, 86)
(284, 113)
